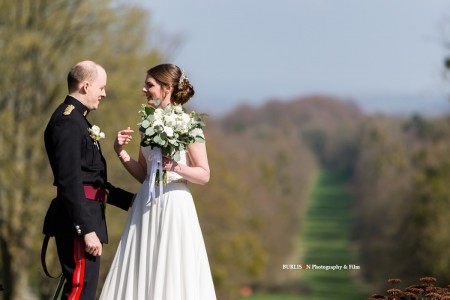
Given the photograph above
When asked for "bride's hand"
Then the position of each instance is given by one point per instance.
(169, 163)
(123, 138)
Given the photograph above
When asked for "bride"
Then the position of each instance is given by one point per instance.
(161, 254)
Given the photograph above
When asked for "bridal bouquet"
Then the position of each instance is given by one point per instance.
(170, 129)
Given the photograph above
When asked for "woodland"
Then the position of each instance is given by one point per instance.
(263, 160)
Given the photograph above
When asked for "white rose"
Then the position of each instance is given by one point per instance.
(178, 109)
(158, 123)
(170, 120)
(185, 118)
(95, 129)
(158, 113)
(168, 131)
(182, 128)
(102, 135)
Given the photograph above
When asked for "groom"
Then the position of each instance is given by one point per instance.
(76, 217)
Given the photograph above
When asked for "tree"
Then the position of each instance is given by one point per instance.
(401, 183)
(40, 40)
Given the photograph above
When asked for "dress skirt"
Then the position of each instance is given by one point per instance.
(161, 254)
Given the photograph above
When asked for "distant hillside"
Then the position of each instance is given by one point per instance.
(303, 111)
(327, 125)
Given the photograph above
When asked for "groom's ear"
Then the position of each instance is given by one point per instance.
(83, 87)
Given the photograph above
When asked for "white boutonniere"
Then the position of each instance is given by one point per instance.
(96, 134)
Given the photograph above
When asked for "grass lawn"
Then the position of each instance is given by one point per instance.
(326, 241)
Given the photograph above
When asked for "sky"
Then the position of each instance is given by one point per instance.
(385, 55)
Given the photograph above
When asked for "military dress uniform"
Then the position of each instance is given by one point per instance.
(80, 176)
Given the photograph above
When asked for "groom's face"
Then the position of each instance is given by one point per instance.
(96, 90)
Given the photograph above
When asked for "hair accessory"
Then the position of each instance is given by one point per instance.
(183, 77)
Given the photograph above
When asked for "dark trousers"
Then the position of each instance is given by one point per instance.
(80, 268)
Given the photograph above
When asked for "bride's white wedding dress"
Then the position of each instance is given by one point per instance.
(161, 254)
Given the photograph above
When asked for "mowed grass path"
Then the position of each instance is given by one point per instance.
(326, 240)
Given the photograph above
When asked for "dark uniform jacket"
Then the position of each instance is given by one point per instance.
(76, 160)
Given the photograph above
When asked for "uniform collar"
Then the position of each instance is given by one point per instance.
(78, 105)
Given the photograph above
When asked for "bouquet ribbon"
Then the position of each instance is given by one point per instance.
(155, 160)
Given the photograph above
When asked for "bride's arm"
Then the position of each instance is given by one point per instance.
(137, 169)
(198, 172)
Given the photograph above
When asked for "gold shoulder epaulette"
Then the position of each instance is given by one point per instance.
(68, 109)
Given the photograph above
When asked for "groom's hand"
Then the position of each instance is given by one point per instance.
(93, 244)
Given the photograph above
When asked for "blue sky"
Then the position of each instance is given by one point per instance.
(385, 55)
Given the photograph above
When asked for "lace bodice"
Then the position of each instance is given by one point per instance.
(171, 176)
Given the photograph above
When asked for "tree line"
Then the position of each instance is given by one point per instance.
(401, 180)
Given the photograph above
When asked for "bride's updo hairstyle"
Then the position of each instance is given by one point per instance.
(171, 75)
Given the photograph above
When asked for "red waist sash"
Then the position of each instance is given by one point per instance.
(95, 194)
(92, 193)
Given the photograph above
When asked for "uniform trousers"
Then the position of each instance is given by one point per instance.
(80, 268)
